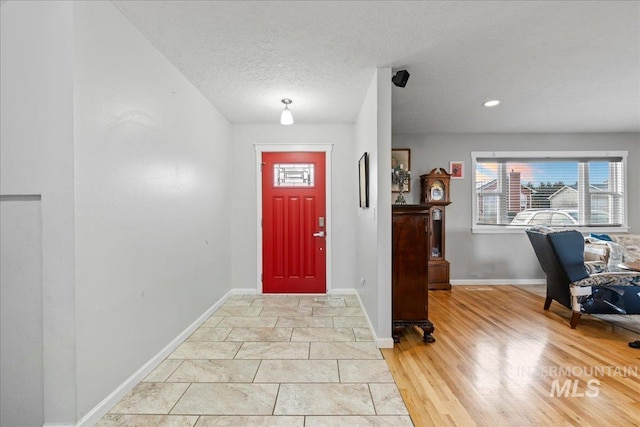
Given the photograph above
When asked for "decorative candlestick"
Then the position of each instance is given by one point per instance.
(401, 177)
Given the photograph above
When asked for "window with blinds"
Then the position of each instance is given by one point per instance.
(563, 189)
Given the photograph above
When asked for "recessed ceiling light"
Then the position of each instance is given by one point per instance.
(491, 103)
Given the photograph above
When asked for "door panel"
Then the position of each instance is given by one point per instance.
(293, 210)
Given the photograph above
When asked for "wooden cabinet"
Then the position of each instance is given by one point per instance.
(410, 245)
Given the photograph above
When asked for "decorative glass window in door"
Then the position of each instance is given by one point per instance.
(293, 175)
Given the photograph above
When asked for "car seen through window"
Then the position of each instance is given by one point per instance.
(554, 217)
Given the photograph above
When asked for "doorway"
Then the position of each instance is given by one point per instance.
(294, 222)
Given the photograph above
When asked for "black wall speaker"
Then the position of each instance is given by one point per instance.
(401, 78)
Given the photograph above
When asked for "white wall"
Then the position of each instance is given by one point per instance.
(366, 140)
(21, 108)
(502, 257)
(344, 193)
(373, 135)
(152, 201)
(383, 330)
(36, 150)
(21, 352)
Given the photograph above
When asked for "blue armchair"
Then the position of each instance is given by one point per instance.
(561, 256)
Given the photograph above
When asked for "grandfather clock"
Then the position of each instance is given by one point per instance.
(434, 192)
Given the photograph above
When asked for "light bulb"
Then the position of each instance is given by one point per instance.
(286, 118)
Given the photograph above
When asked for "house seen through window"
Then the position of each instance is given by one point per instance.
(564, 189)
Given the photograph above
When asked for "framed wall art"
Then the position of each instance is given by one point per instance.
(363, 174)
(456, 168)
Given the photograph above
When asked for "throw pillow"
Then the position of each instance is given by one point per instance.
(604, 237)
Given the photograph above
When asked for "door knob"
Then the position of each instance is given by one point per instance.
(319, 234)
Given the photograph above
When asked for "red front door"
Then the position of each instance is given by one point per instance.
(293, 223)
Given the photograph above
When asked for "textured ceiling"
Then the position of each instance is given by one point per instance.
(557, 66)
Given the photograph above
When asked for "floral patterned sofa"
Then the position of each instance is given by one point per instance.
(605, 253)
(573, 284)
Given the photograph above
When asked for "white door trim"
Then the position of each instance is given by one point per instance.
(272, 148)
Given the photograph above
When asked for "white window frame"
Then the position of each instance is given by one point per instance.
(525, 155)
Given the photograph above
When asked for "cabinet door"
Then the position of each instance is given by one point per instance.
(410, 269)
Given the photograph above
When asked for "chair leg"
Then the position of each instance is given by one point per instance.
(575, 318)
(547, 303)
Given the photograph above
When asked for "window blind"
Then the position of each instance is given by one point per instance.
(557, 192)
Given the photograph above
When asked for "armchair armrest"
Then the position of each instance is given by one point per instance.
(611, 278)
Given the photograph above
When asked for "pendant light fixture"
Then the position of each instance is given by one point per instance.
(286, 118)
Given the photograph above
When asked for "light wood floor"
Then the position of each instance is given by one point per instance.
(497, 360)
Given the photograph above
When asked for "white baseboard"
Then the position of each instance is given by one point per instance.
(342, 291)
(381, 342)
(58, 425)
(384, 342)
(94, 415)
(498, 282)
(243, 291)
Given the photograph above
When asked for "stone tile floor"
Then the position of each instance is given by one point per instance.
(270, 360)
